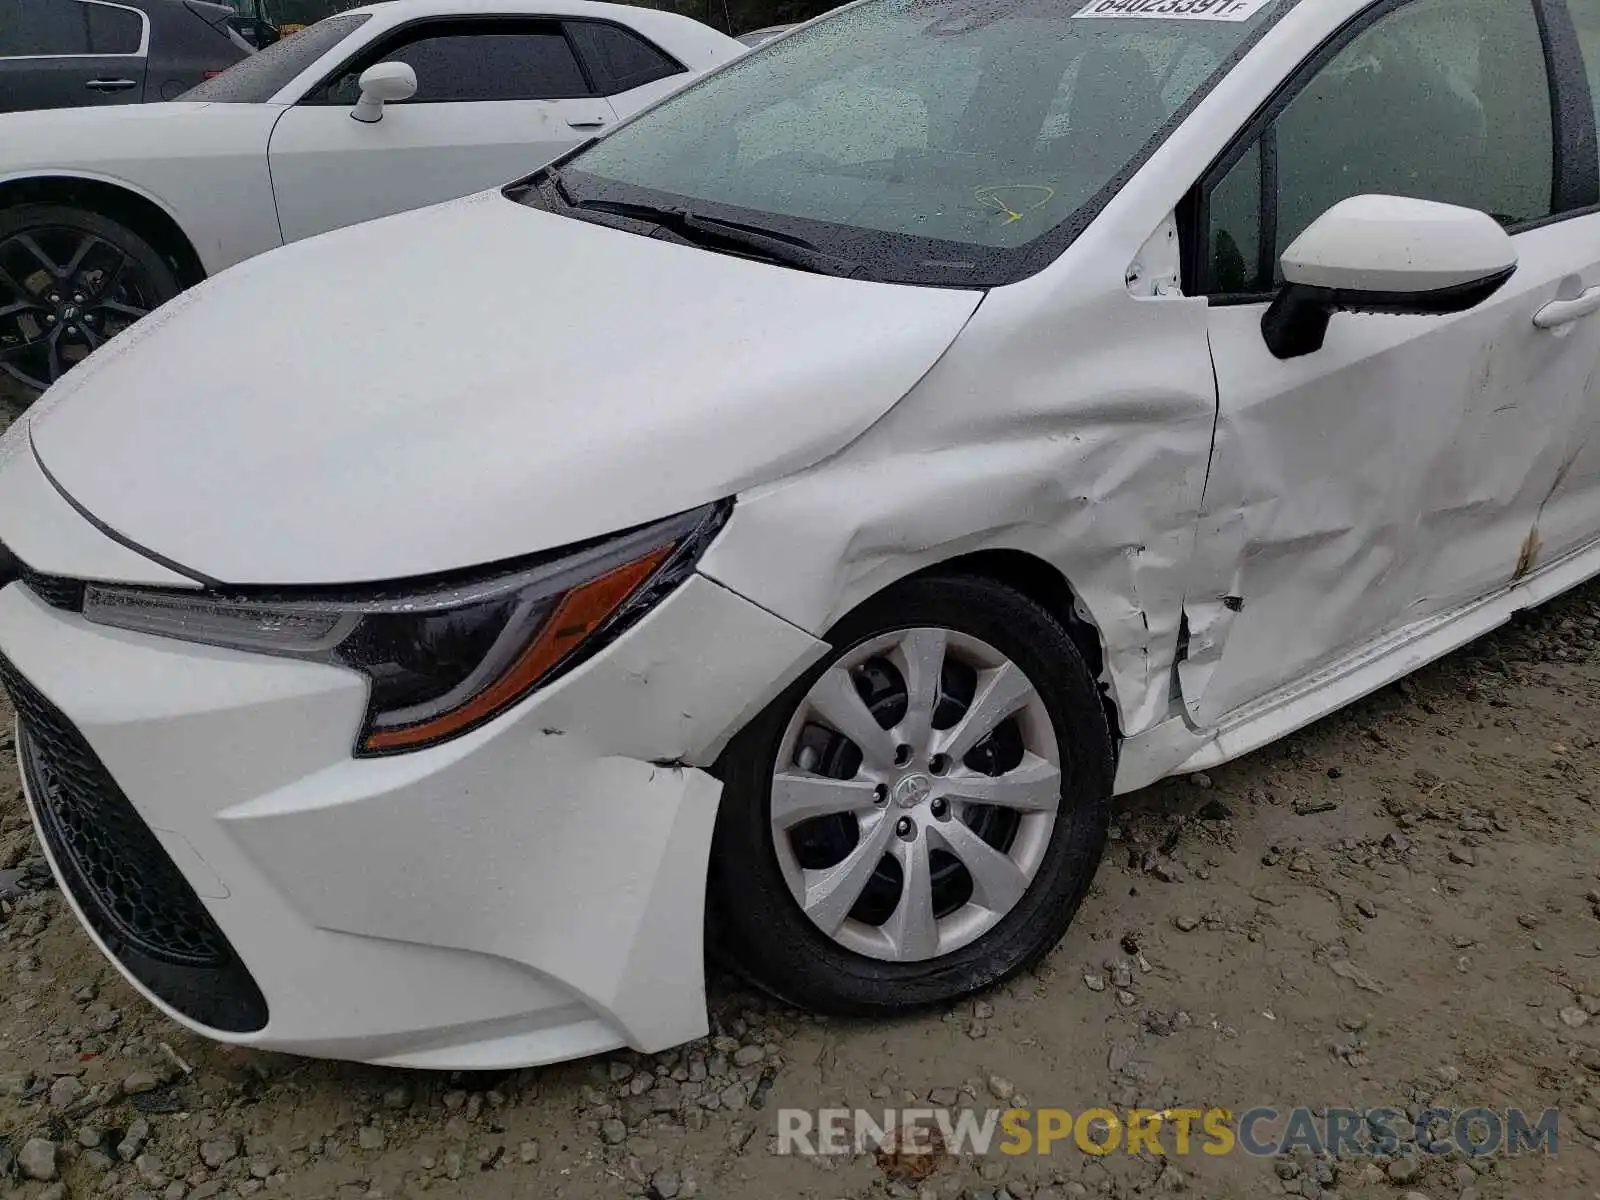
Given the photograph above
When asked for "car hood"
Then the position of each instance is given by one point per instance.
(465, 384)
(112, 135)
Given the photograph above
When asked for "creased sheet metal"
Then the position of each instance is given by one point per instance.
(1403, 471)
(1089, 451)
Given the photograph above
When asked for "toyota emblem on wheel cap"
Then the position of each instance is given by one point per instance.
(912, 790)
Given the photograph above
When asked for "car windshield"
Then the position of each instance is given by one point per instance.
(261, 76)
(962, 142)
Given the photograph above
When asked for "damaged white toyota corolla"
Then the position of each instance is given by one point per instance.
(798, 513)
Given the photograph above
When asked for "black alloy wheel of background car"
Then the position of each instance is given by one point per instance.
(69, 280)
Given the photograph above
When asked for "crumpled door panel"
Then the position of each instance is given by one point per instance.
(1392, 476)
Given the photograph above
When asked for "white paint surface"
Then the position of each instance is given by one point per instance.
(1392, 244)
(380, 877)
(444, 394)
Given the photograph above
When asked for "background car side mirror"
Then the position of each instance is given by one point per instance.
(1385, 254)
(380, 84)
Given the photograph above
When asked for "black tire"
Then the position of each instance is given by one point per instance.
(145, 280)
(759, 931)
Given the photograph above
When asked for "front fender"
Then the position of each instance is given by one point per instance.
(1069, 421)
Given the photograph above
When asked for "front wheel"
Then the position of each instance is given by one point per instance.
(920, 815)
(69, 280)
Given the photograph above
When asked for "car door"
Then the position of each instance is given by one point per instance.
(1399, 472)
(71, 53)
(1570, 514)
(496, 97)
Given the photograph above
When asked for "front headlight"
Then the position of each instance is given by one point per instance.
(447, 656)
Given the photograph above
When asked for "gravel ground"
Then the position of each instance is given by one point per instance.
(12, 401)
(1396, 907)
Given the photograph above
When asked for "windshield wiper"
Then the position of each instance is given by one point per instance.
(775, 247)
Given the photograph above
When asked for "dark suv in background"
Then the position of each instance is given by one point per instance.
(69, 53)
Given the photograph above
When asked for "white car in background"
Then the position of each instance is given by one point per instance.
(107, 212)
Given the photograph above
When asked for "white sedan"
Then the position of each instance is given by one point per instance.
(107, 212)
(804, 508)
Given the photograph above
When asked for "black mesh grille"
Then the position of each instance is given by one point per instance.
(55, 590)
(130, 891)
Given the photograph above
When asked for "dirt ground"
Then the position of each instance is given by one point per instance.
(1397, 907)
(12, 401)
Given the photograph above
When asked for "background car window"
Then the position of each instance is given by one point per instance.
(1443, 100)
(478, 65)
(1586, 16)
(618, 59)
(113, 30)
(45, 27)
(261, 76)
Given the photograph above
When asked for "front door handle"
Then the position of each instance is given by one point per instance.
(1564, 312)
(111, 85)
(590, 123)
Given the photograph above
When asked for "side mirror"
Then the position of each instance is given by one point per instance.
(1385, 254)
(381, 84)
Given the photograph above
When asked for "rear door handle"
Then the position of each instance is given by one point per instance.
(591, 123)
(111, 85)
(1563, 312)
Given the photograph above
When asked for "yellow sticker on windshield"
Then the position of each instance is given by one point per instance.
(1175, 10)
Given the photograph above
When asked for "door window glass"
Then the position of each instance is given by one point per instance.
(42, 27)
(1445, 100)
(463, 65)
(618, 59)
(113, 30)
(1586, 16)
(1236, 229)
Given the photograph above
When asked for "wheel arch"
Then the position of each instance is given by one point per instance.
(119, 202)
(1041, 582)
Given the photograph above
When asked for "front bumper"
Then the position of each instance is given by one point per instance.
(530, 892)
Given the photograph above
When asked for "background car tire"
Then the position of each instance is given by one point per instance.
(132, 278)
(757, 926)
